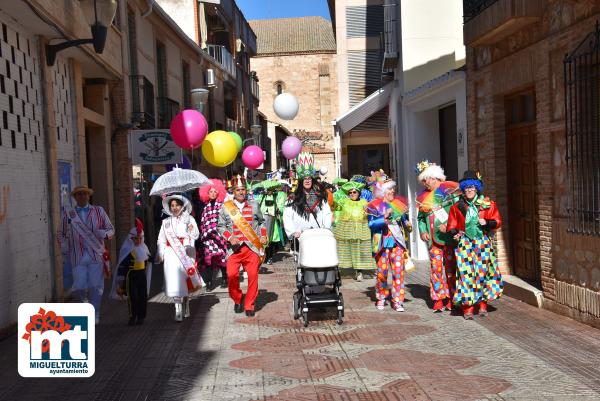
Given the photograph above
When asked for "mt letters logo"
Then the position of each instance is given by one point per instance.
(56, 340)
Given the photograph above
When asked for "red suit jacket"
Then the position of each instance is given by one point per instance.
(487, 210)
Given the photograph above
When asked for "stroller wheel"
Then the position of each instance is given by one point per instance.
(340, 318)
(296, 306)
(305, 318)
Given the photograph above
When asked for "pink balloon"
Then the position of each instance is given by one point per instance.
(291, 147)
(188, 129)
(253, 157)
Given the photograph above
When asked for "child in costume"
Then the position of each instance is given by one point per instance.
(471, 221)
(272, 202)
(213, 245)
(132, 279)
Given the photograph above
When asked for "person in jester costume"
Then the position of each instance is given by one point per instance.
(434, 204)
(471, 222)
(272, 202)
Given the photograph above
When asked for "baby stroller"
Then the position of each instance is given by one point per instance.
(317, 275)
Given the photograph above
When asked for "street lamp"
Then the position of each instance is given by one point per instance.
(99, 14)
(256, 129)
(199, 99)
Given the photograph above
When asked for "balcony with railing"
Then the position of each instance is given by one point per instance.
(142, 102)
(489, 21)
(390, 35)
(230, 125)
(167, 109)
(223, 57)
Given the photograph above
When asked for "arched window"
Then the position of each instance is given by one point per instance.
(279, 88)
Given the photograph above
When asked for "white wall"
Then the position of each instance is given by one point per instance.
(430, 29)
(182, 12)
(26, 273)
(422, 138)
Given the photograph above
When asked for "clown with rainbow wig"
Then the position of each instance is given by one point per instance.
(471, 222)
(434, 204)
(389, 224)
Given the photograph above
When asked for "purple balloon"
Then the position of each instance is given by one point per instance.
(291, 147)
(185, 164)
(188, 129)
(253, 157)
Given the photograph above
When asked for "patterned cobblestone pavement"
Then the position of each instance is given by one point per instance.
(517, 353)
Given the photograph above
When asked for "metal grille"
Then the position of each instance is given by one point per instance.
(364, 21)
(167, 109)
(364, 74)
(471, 8)
(142, 102)
(582, 103)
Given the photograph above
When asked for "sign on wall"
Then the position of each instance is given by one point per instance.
(153, 147)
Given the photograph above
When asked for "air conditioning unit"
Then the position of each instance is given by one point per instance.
(211, 82)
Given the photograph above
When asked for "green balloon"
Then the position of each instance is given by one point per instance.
(238, 140)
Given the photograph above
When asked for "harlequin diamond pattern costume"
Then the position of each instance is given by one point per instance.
(478, 277)
(434, 205)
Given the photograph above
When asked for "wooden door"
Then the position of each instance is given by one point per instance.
(522, 211)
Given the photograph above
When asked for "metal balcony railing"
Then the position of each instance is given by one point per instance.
(254, 89)
(471, 8)
(142, 102)
(230, 124)
(390, 35)
(223, 57)
(167, 109)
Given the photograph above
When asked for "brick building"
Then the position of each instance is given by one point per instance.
(534, 132)
(66, 124)
(297, 55)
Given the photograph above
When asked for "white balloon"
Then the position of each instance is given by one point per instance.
(323, 170)
(286, 106)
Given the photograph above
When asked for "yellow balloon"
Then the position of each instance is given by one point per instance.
(219, 148)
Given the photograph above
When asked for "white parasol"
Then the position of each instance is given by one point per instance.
(178, 180)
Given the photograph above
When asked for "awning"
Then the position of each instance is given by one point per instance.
(365, 109)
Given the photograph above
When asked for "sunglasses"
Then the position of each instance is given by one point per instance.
(352, 192)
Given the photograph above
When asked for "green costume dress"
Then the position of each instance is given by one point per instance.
(351, 230)
(271, 206)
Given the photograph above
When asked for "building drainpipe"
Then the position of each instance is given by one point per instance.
(337, 147)
(150, 8)
(54, 218)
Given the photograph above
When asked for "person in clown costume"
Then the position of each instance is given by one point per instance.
(434, 204)
(389, 224)
(351, 230)
(309, 207)
(471, 221)
(214, 248)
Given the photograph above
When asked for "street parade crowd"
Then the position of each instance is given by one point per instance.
(240, 226)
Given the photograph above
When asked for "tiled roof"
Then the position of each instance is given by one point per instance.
(293, 35)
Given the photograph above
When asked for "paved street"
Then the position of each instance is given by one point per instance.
(517, 353)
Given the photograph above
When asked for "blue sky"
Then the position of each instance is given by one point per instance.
(266, 9)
